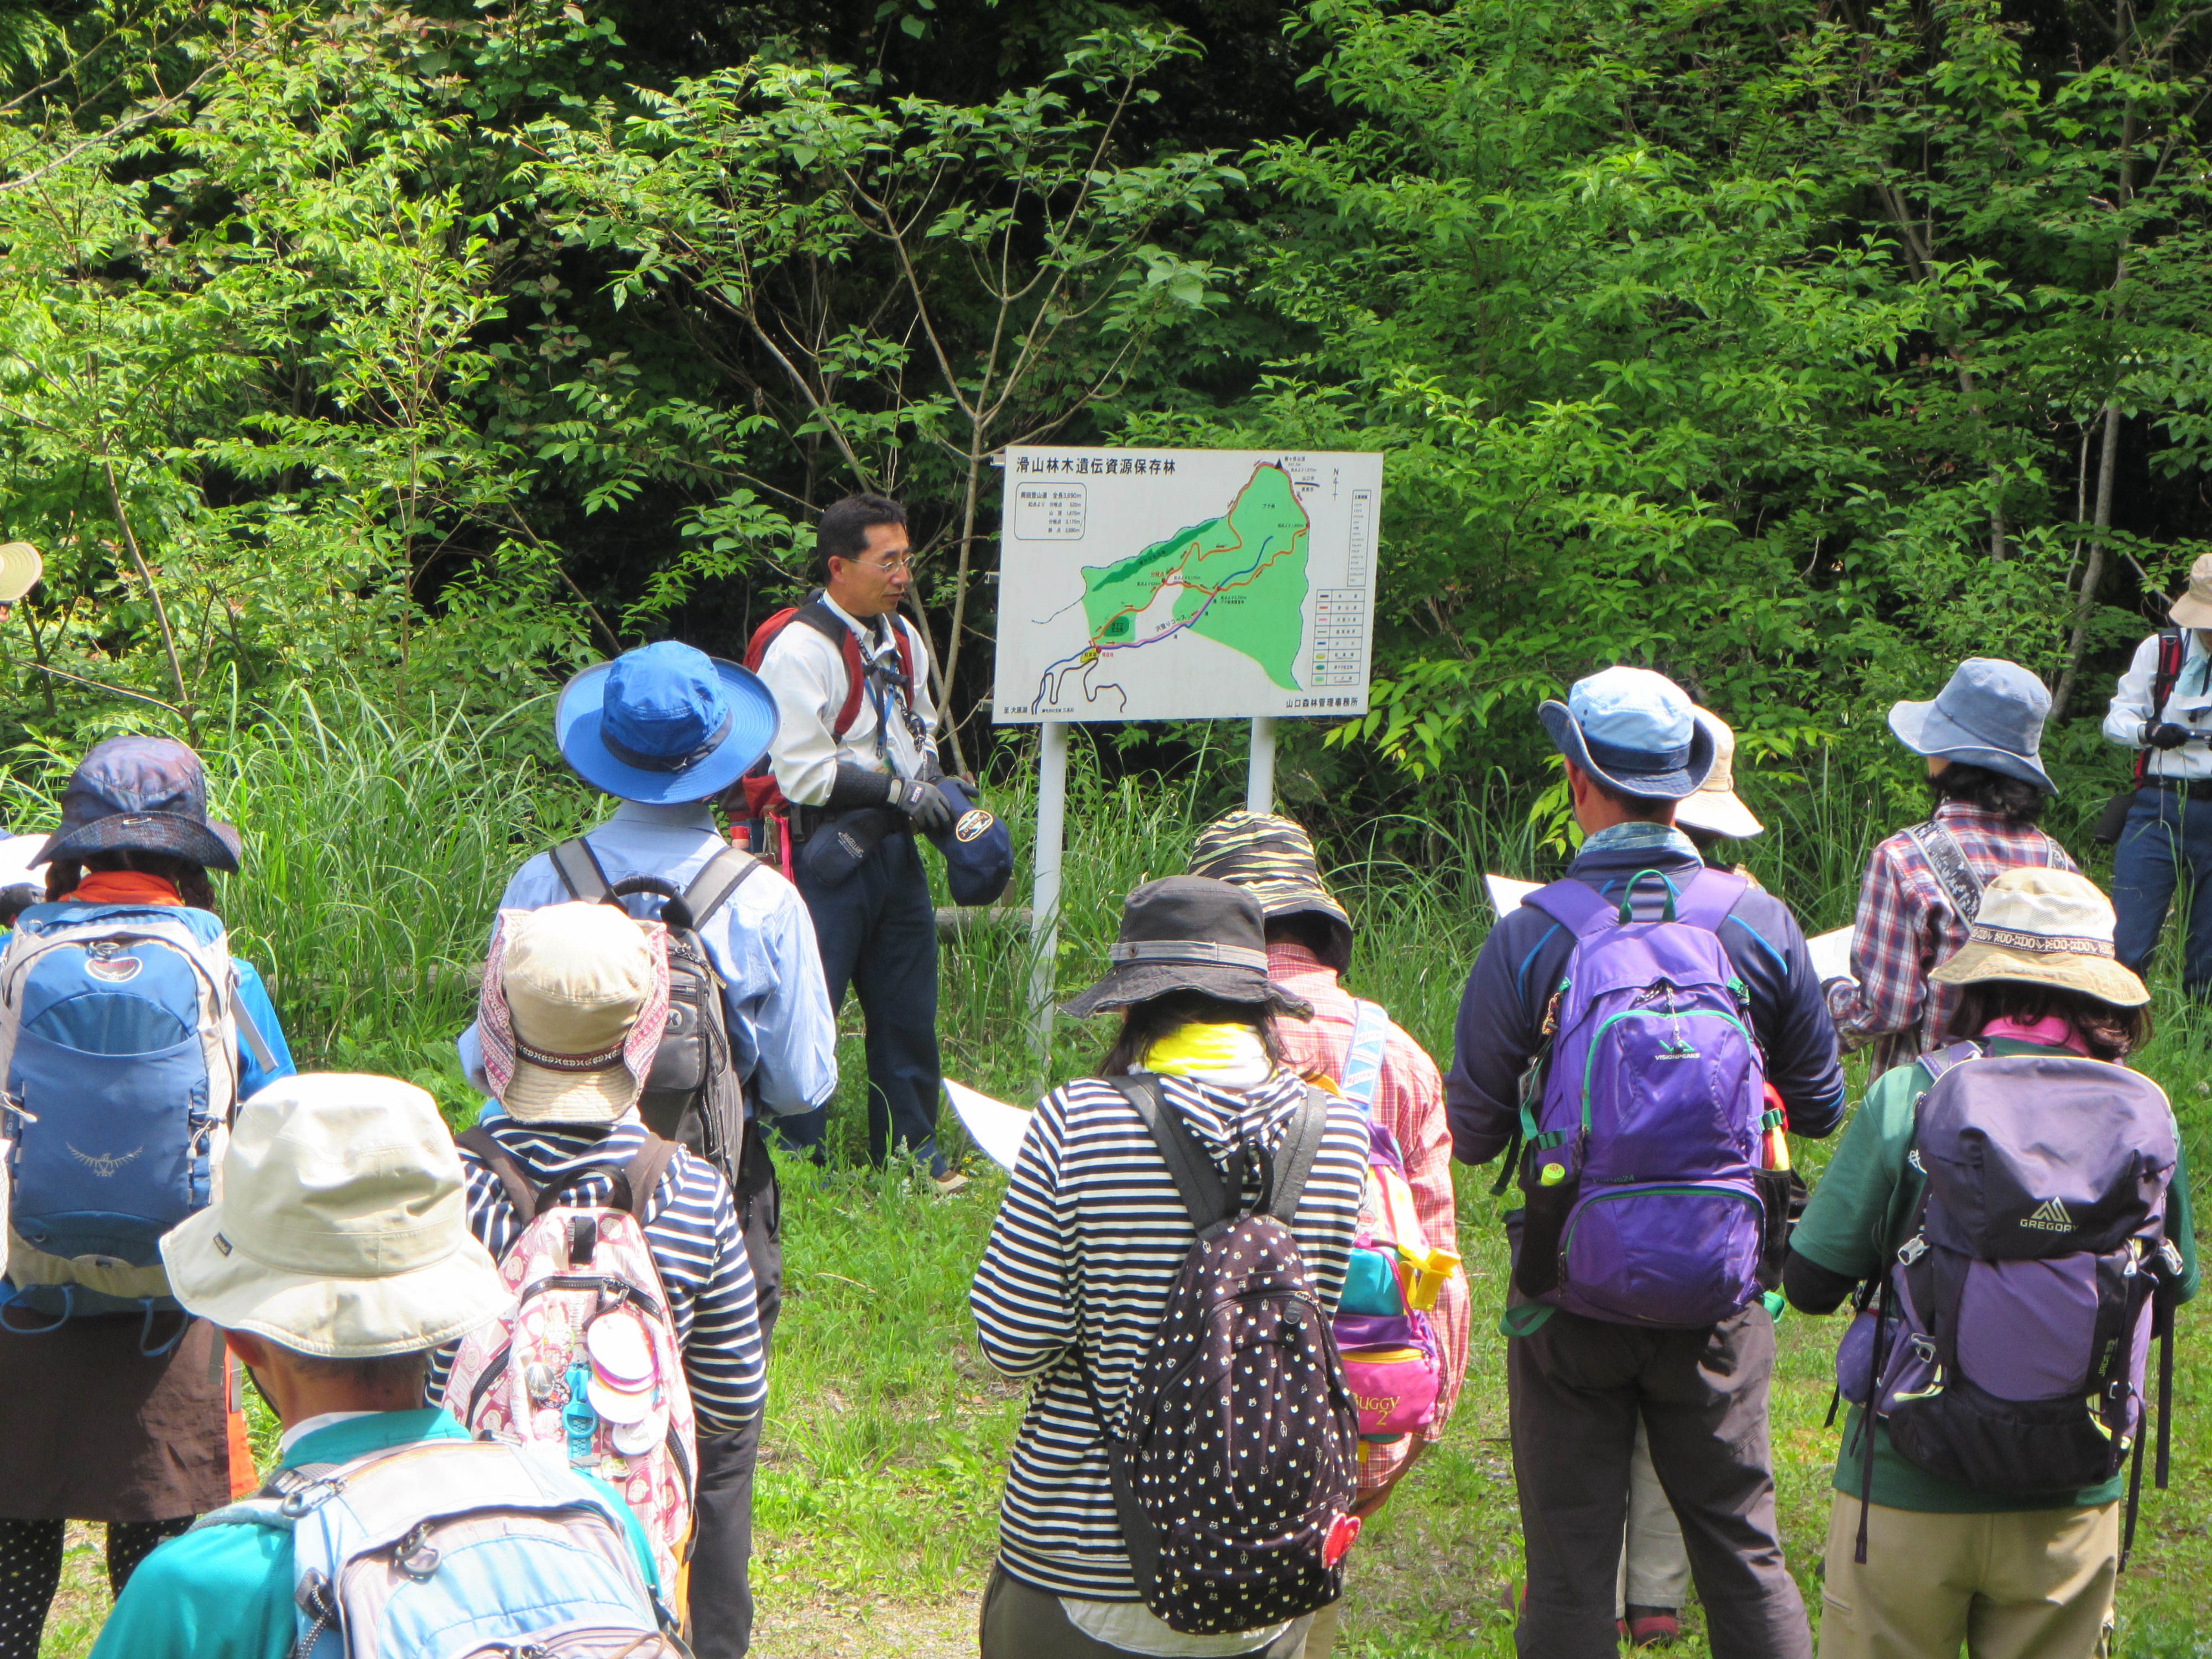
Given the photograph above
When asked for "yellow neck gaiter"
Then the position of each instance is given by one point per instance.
(1199, 1050)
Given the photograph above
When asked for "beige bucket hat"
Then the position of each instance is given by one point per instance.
(2194, 608)
(341, 1230)
(1714, 805)
(2046, 927)
(576, 998)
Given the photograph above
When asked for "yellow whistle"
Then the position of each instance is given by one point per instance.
(1553, 1174)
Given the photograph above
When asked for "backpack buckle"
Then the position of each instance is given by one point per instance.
(1912, 1250)
(415, 1555)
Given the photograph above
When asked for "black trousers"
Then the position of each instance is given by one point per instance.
(721, 1603)
(1577, 1387)
(878, 934)
(31, 1572)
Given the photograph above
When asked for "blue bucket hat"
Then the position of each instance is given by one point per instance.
(979, 851)
(140, 795)
(1634, 730)
(664, 724)
(1989, 714)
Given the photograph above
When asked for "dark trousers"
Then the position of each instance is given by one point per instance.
(1577, 1387)
(2167, 837)
(878, 934)
(721, 1603)
(31, 1572)
(1021, 1621)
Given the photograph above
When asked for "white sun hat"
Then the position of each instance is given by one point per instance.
(21, 567)
(341, 1232)
(1714, 805)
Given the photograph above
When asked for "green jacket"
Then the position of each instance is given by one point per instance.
(1859, 1215)
(226, 1592)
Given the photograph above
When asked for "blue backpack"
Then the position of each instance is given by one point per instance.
(458, 1549)
(118, 1041)
(1646, 1203)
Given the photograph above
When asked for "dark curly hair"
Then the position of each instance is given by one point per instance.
(190, 879)
(2110, 1031)
(1145, 1023)
(1993, 792)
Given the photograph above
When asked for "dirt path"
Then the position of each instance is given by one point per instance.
(882, 1629)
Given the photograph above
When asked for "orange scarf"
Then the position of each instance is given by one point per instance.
(126, 887)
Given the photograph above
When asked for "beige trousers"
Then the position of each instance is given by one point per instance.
(1655, 1563)
(2037, 1585)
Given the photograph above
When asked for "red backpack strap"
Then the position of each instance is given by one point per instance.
(2173, 651)
(764, 636)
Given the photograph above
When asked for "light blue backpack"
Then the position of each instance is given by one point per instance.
(458, 1549)
(118, 1041)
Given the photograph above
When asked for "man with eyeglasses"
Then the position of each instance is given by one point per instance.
(861, 776)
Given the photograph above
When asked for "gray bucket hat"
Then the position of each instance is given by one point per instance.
(1991, 714)
(1189, 934)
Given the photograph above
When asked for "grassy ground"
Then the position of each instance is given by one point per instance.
(376, 855)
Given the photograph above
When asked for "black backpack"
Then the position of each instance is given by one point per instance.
(693, 1095)
(1221, 1538)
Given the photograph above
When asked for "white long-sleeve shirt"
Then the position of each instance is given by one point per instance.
(2191, 705)
(804, 670)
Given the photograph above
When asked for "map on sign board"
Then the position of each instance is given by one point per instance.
(1181, 584)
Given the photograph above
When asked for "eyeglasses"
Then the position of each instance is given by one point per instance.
(890, 566)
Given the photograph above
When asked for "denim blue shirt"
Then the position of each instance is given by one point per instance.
(783, 1033)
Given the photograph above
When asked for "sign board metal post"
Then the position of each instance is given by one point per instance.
(1044, 895)
(1260, 784)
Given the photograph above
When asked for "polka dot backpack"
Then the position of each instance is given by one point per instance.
(1234, 1469)
(585, 1363)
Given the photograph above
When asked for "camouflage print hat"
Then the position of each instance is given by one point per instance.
(1273, 858)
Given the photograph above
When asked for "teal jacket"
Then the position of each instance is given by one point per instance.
(226, 1592)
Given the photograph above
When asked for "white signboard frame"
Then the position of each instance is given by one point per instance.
(1188, 565)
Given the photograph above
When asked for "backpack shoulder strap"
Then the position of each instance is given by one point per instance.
(721, 876)
(1709, 898)
(1575, 905)
(504, 1165)
(248, 1032)
(1949, 861)
(1294, 1158)
(249, 1512)
(644, 1171)
(1363, 1062)
(1206, 1195)
(823, 621)
(579, 869)
(1937, 1061)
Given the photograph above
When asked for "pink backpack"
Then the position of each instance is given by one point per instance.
(585, 1361)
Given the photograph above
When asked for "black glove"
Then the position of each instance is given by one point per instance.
(925, 803)
(2168, 735)
(856, 786)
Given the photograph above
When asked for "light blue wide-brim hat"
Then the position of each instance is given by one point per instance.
(664, 724)
(1991, 714)
(1634, 730)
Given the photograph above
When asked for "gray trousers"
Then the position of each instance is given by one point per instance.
(1578, 1388)
(1655, 1568)
(1021, 1621)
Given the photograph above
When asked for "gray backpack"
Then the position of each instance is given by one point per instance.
(2007, 1347)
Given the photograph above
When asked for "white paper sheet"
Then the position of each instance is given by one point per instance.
(993, 1125)
(1506, 894)
(1831, 953)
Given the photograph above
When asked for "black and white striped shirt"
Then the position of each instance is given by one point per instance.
(1080, 1265)
(692, 1230)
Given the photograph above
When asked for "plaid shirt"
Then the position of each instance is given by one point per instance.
(1410, 1103)
(1906, 929)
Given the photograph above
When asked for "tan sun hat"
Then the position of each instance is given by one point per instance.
(21, 567)
(2192, 610)
(341, 1230)
(575, 997)
(1713, 805)
(2047, 927)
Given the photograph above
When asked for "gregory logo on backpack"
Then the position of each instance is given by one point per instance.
(2051, 1216)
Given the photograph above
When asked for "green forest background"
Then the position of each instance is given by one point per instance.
(363, 370)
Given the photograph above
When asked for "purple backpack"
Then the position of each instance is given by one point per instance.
(1645, 1202)
(2011, 1335)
